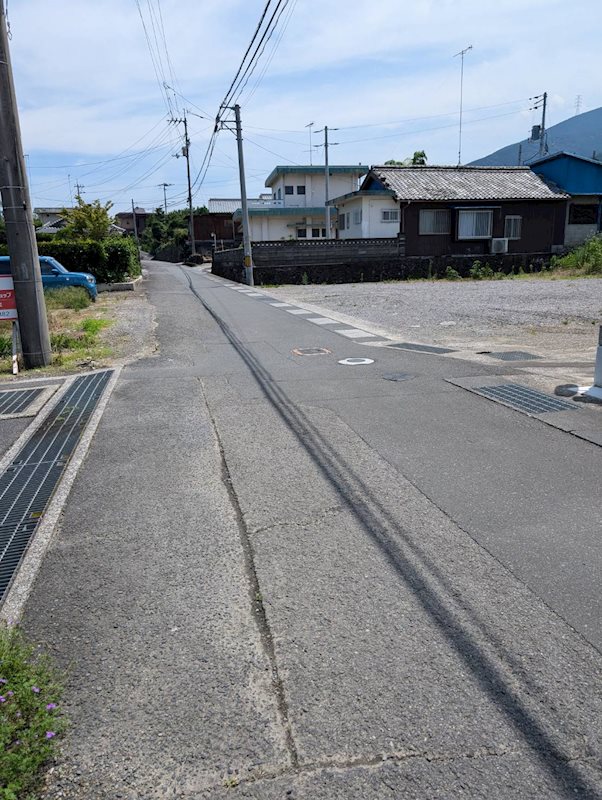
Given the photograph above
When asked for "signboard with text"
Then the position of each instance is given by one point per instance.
(8, 306)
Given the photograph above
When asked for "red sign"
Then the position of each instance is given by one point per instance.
(8, 306)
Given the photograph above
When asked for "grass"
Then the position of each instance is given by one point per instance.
(583, 260)
(73, 297)
(31, 720)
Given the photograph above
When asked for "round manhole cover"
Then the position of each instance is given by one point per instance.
(311, 351)
(397, 376)
(354, 362)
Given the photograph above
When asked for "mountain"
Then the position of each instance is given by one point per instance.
(581, 135)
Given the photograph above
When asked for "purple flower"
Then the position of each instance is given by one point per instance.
(35, 689)
(50, 706)
(50, 734)
(9, 694)
(2, 699)
(3, 680)
(18, 714)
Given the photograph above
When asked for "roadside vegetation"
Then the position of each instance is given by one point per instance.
(167, 230)
(75, 329)
(31, 718)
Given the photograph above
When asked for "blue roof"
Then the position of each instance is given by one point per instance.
(574, 174)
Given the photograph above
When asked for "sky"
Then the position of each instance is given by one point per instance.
(90, 79)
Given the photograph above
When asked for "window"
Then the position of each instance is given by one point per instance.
(341, 222)
(315, 233)
(279, 194)
(390, 215)
(512, 227)
(357, 217)
(475, 224)
(301, 233)
(289, 189)
(300, 189)
(580, 214)
(324, 232)
(434, 221)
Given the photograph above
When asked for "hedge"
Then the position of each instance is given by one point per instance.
(110, 261)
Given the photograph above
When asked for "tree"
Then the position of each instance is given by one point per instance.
(86, 220)
(163, 229)
(419, 159)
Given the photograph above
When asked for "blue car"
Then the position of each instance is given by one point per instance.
(55, 276)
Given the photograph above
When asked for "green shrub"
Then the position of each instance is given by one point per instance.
(586, 258)
(6, 345)
(93, 326)
(452, 274)
(480, 271)
(30, 714)
(74, 297)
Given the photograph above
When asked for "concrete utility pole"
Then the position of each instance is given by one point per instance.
(135, 224)
(542, 141)
(186, 154)
(462, 53)
(20, 232)
(165, 185)
(327, 144)
(79, 189)
(246, 235)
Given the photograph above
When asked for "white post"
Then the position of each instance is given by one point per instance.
(598, 371)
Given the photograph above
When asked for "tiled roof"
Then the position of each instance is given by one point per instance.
(465, 183)
(226, 206)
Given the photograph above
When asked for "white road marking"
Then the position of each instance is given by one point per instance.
(353, 333)
(281, 305)
(322, 321)
(297, 311)
(255, 294)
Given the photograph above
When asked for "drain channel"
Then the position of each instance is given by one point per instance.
(523, 398)
(29, 481)
(14, 401)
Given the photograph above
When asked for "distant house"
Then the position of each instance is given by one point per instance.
(296, 207)
(217, 223)
(125, 220)
(455, 210)
(582, 179)
(48, 215)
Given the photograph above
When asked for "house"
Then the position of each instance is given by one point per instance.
(125, 220)
(61, 222)
(442, 211)
(48, 215)
(296, 207)
(217, 223)
(582, 179)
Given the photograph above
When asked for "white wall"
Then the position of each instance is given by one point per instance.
(266, 228)
(371, 226)
(315, 188)
(577, 234)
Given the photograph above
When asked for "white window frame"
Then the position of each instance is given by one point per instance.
(462, 212)
(430, 219)
(357, 216)
(389, 215)
(289, 190)
(515, 220)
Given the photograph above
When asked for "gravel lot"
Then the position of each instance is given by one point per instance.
(554, 317)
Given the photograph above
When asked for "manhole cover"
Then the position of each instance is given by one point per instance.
(354, 362)
(397, 376)
(421, 348)
(511, 355)
(522, 398)
(311, 351)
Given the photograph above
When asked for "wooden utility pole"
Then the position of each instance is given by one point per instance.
(18, 216)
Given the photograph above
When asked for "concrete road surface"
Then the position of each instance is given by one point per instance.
(281, 577)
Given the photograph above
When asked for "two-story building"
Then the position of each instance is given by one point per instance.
(582, 179)
(297, 206)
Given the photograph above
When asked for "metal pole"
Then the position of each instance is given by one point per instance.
(135, 224)
(310, 126)
(462, 53)
(326, 183)
(542, 140)
(187, 154)
(246, 238)
(20, 232)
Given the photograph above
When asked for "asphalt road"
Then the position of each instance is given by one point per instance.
(302, 580)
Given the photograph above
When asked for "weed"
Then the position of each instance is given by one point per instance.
(6, 345)
(586, 259)
(73, 297)
(452, 274)
(304, 279)
(231, 781)
(30, 716)
(93, 326)
(480, 271)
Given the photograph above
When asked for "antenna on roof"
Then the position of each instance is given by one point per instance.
(462, 53)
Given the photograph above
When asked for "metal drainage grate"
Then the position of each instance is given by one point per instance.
(522, 398)
(30, 480)
(16, 401)
(511, 355)
(311, 351)
(397, 376)
(421, 348)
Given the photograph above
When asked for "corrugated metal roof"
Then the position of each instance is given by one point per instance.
(226, 205)
(465, 183)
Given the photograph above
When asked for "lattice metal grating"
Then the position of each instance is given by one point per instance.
(523, 398)
(421, 348)
(28, 483)
(514, 355)
(16, 401)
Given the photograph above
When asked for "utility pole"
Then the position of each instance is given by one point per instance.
(541, 101)
(186, 154)
(326, 145)
(20, 232)
(165, 185)
(310, 126)
(79, 189)
(246, 235)
(462, 53)
(135, 224)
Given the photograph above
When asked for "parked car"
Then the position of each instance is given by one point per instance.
(55, 276)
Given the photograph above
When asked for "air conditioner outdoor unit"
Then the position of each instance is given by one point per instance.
(499, 246)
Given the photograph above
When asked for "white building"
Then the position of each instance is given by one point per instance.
(372, 214)
(296, 208)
